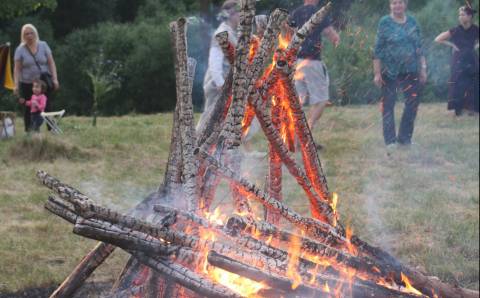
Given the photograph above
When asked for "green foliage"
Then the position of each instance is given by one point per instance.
(104, 77)
(148, 83)
(350, 67)
(14, 8)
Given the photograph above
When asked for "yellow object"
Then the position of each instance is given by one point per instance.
(8, 81)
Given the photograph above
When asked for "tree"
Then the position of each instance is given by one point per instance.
(104, 77)
(14, 8)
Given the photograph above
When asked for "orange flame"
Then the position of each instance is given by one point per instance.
(326, 288)
(351, 248)
(293, 254)
(243, 286)
(254, 43)
(284, 41)
(408, 285)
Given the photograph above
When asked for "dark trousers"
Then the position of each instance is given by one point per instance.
(36, 122)
(409, 85)
(26, 93)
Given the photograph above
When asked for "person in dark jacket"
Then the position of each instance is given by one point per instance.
(463, 83)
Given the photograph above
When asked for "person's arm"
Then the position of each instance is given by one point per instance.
(378, 52)
(332, 35)
(53, 70)
(443, 38)
(377, 71)
(42, 103)
(17, 70)
(423, 70)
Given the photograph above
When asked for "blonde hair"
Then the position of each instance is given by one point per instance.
(25, 27)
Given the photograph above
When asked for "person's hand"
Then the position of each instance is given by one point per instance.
(378, 80)
(16, 91)
(455, 48)
(423, 76)
(56, 85)
(21, 100)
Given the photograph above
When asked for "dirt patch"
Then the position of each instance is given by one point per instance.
(90, 290)
(45, 148)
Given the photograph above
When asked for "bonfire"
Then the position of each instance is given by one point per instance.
(180, 247)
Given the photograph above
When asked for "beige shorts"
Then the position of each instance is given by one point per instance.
(312, 81)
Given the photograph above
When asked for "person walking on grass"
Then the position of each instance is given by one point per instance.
(32, 58)
(37, 104)
(399, 64)
(218, 65)
(311, 78)
(463, 83)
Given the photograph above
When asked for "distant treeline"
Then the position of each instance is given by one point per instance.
(134, 34)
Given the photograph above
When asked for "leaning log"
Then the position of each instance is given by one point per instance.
(187, 129)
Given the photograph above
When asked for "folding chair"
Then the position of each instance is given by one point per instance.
(53, 119)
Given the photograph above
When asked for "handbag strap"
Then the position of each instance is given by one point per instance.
(33, 56)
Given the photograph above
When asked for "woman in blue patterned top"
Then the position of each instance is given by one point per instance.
(399, 63)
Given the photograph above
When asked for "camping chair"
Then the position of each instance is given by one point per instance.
(53, 119)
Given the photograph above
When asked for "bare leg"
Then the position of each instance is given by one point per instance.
(315, 113)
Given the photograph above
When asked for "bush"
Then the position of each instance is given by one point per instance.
(147, 73)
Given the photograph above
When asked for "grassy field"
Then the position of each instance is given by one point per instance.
(420, 203)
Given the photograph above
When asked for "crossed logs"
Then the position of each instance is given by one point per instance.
(177, 251)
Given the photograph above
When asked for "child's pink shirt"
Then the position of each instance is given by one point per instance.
(41, 101)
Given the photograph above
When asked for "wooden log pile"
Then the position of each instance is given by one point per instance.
(178, 250)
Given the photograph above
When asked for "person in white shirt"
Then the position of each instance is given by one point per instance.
(218, 65)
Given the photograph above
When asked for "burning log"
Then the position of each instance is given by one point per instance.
(320, 210)
(232, 131)
(290, 288)
(237, 224)
(209, 130)
(311, 160)
(187, 129)
(309, 225)
(227, 48)
(83, 270)
(185, 277)
(274, 184)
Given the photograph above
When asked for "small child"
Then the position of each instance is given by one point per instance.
(37, 104)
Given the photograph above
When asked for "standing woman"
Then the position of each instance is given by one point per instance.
(399, 64)
(463, 84)
(32, 57)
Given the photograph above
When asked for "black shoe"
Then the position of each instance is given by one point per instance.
(319, 146)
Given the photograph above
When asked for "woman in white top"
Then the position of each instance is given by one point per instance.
(218, 65)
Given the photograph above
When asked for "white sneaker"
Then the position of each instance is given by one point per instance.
(391, 148)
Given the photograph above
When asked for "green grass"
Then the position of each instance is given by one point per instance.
(421, 204)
